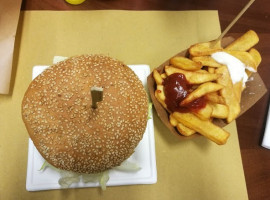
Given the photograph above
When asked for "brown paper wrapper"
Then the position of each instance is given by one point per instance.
(255, 89)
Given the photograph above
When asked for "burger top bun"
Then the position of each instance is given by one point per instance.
(67, 131)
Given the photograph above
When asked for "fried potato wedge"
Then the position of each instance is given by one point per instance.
(230, 99)
(245, 42)
(206, 61)
(192, 77)
(203, 89)
(204, 127)
(185, 63)
(204, 48)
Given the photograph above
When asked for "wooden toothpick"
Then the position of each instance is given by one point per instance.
(97, 95)
(233, 22)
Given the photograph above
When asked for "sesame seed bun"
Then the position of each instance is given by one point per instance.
(67, 131)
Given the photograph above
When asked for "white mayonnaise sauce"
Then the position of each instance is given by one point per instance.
(235, 66)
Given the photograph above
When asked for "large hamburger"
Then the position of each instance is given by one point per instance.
(67, 131)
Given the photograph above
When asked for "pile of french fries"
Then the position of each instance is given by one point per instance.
(211, 80)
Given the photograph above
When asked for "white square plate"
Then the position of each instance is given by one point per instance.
(144, 156)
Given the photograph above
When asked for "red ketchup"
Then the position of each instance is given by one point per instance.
(176, 88)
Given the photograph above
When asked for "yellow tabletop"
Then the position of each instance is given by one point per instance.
(189, 169)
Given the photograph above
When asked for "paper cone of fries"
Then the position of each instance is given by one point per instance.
(253, 91)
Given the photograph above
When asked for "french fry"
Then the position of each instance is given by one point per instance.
(203, 89)
(173, 121)
(245, 42)
(157, 77)
(185, 63)
(204, 49)
(219, 111)
(204, 113)
(160, 100)
(163, 75)
(215, 98)
(192, 77)
(257, 59)
(227, 93)
(202, 71)
(211, 81)
(204, 127)
(160, 89)
(211, 70)
(256, 56)
(206, 61)
(159, 94)
(245, 58)
(184, 130)
(237, 89)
